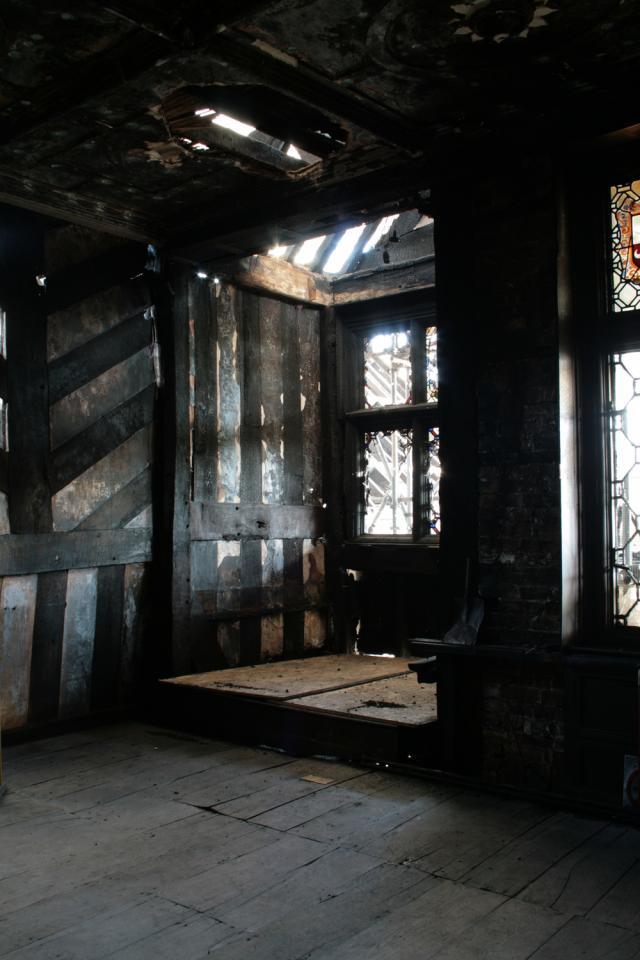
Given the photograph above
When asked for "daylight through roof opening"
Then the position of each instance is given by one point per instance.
(389, 240)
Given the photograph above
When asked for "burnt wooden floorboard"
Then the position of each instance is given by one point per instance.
(133, 842)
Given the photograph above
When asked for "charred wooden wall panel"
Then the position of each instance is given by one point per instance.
(254, 577)
(76, 482)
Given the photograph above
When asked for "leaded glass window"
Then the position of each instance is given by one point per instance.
(431, 496)
(393, 454)
(431, 365)
(624, 420)
(388, 482)
(387, 369)
(625, 246)
(599, 306)
(620, 364)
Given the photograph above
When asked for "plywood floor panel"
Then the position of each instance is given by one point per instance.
(399, 700)
(288, 679)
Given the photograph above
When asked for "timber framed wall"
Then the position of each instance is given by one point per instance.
(75, 550)
(248, 561)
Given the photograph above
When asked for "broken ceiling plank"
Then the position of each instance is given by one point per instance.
(257, 155)
(312, 88)
(272, 275)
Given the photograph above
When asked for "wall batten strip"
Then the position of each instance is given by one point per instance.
(17, 616)
(77, 642)
(228, 397)
(107, 648)
(203, 312)
(271, 400)
(46, 656)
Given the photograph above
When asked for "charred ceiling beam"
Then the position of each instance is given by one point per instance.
(41, 197)
(265, 215)
(97, 77)
(286, 74)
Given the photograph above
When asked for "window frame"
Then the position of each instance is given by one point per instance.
(599, 332)
(415, 312)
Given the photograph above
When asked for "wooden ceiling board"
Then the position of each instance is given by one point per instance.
(83, 135)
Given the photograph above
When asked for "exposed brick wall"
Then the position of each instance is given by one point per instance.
(523, 727)
(518, 485)
(517, 397)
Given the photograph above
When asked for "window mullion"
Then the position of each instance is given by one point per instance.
(418, 379)
(419, 395)
(419, 469)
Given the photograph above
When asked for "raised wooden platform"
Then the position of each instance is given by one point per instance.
(355, 707)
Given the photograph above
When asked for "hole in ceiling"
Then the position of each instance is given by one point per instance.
(259, 127)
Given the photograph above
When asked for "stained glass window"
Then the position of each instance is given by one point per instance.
(609, 397)
(625, 246)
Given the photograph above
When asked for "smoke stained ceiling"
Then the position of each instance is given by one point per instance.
(373, 96)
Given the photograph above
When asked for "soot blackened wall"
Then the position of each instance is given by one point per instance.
(506, 273)
(248, 581)
(76, 544)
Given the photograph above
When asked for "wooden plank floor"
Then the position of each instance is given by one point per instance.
(134, 843)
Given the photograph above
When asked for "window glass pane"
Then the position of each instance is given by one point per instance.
(625, 486)
(431, 479)
(431, 365)
(625, 245)
(387, 369)
(388, 482)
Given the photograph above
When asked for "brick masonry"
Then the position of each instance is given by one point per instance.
(519, 573)
(523, 736)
